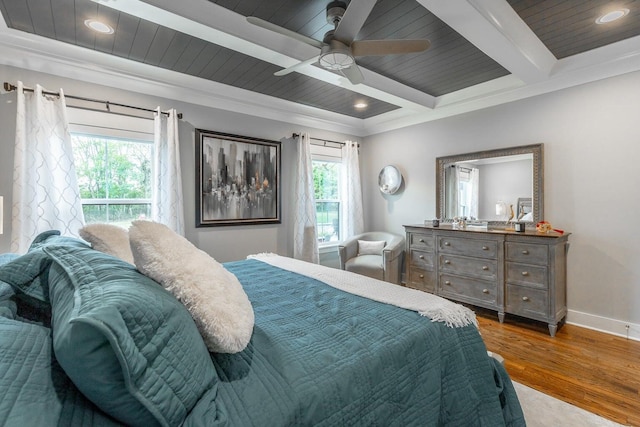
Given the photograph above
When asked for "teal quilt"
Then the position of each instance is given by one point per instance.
(323, 357)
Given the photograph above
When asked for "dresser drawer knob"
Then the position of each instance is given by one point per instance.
(525, 298)
(525, 273)
(446, 261)
(525, 252)
(447, 244)
(485, 268)
(421, 257)
(485, 291)
(421, 240)
(485, 248)
(446, 282)
(422, 276)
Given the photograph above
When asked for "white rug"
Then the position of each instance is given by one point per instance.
(541, 410)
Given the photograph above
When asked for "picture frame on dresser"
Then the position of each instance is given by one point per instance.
(237, 180)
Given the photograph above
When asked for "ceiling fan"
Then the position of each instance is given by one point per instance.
(338, 49)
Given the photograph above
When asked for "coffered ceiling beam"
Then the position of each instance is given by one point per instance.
(497, 30)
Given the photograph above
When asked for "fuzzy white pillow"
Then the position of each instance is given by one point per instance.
(370, 247)
(213, 295)
(108, 238)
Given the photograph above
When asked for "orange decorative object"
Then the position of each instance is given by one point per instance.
(545, 227)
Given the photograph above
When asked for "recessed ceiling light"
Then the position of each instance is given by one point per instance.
(612, 16)
(361, 105)
(98, 26)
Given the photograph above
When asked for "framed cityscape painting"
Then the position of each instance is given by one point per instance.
(237, 180)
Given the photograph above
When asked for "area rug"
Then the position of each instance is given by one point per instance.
(541, 410)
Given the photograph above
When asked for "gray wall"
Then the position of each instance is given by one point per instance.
(591, 148)
(592, 143)
(223, 243)
(504, 182)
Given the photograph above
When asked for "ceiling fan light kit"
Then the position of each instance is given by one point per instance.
(336, 56)
(338, 48)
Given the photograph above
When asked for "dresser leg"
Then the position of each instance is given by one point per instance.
(501, 317)
(553, 327)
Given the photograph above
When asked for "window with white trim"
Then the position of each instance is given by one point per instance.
(327, 174)
(113, 158)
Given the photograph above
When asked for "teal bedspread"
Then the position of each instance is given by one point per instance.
(35, 390)
(320, 356)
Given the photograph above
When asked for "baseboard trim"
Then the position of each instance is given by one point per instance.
(604, 324)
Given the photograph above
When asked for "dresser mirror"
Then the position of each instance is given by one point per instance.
(494, 186)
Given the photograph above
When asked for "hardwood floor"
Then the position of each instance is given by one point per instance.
(592, 370)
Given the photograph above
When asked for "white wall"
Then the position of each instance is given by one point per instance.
(223, 243)
(591, 142)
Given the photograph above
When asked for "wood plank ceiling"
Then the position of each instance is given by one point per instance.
(451, 64)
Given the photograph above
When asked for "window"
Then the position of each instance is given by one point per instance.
(113, 159)
(114, 176)
(327, 170)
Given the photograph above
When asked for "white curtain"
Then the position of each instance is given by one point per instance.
(45, 186)
(305, 231)
(452, 183)
(474, 181)
(352, 212)
(166, 202)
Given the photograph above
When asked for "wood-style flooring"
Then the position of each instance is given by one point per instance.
(592, 370)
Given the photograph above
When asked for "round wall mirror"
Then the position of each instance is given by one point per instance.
(389, 179)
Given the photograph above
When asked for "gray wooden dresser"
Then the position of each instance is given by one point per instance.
(517, 273)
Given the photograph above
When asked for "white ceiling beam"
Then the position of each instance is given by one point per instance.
(497, 30)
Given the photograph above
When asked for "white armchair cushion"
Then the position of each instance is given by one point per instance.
(370, 247)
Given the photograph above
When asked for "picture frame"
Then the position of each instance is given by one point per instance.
(237, 180)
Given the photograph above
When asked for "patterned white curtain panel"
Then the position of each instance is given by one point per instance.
(353, 213)
(166, 202)
(305, 231)
(45, 187)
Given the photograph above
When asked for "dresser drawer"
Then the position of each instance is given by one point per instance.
(482, 268)
(421, 259)
(468, 247)
(526, 301)
(421, 241)
(465, 289)
(527, 253)
(422, 280)
(527, 275)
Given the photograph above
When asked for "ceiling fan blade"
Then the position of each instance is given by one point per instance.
(295, 67)
(387, 47)
(281, 30)
(354, 74)
(353, 20)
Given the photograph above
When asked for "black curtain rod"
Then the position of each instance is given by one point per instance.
(10, 87)
(295, 135)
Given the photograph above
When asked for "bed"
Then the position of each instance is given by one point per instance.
(322, 351)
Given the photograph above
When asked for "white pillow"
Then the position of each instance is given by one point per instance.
(527, 217)
(108, 238)
(213, 295)
(370, 247)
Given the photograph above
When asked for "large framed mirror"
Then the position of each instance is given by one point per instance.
(493, 186)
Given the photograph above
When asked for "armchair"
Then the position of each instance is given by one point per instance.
(383, 263)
